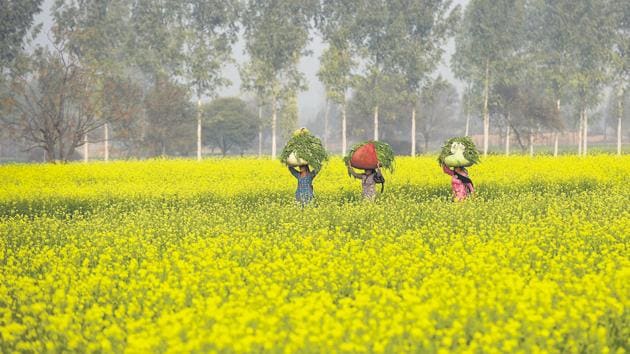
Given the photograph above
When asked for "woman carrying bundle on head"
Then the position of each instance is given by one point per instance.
(461, 184)
(304, 193)
(456, 155)
(368, 181)
(302, 150)
(370, 156)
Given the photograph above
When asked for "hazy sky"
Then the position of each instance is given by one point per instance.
(311, 100)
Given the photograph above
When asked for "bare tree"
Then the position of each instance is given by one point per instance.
(55, 104)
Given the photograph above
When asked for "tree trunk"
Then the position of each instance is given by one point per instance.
(555, 135)
(198, 128)
(326, 112)
(467, 124)
(486, 115)
(619, 117)
(580, 132)
(260, 137)
(61, 146)
(531, 142)
(260, 132)
(49, 150)
(413, 131)
(344, 142)
(466, 131)
(507, 138)
(273, 127)
(376, 123)
(585, 140)
(106, 138)
(619, 136)
(86, 149)
(519, 140)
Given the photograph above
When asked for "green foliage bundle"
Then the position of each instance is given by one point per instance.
(470, 153)
(307, 147)
(384, 152)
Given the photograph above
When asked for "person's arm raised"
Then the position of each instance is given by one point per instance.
(447, 170)
(352, 172)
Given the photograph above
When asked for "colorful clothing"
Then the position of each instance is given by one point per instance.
(304, 192)
(367, 182)
(460, 189)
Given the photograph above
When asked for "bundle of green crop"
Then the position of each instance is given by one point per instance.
(369, 154)
(459, 152)
(304, 149)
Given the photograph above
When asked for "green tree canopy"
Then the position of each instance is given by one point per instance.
(276, 35)
(229, 124)
(487, 45)
(16, 19)
(210, 33)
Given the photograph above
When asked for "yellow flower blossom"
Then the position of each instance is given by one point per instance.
(185, 256)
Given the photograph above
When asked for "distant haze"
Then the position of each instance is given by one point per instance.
(311, 101)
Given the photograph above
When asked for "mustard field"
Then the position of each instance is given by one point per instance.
(183, 256)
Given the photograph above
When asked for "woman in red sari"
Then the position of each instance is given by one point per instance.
(461, 184)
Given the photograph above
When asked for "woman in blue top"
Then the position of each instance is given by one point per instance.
(304, 192)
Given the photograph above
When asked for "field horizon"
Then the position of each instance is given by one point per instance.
(173, 255)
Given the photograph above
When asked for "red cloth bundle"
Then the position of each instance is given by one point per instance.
(365, 157)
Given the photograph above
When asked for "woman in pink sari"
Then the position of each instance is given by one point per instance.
(461, 184)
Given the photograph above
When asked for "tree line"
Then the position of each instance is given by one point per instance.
(136, 73)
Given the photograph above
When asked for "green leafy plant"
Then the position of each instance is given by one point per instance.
(470, 153)
(305, 146)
